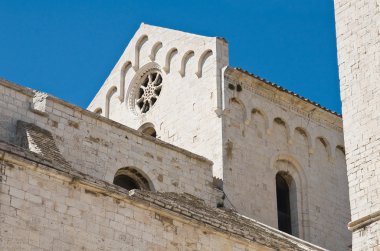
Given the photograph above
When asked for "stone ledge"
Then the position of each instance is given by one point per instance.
(364, 221)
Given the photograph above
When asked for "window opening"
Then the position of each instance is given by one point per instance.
(283, 204)
(131, 178)
(126, 182)
(149, 90)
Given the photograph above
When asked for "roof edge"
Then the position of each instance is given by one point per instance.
(31, 92)
(282, 89)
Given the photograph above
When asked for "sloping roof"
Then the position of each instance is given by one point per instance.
(280, 88)
(226, 221)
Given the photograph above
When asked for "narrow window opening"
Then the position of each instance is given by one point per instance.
(283, 204)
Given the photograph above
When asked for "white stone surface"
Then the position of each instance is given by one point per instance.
(184, 114)
(358, 42)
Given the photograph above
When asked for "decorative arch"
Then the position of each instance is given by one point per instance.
(285, 163)
(156, 47)
(281, 121)
(110, 93)
(169, 56)
(140, 42)
(266, 120)
(244, 110)
(98, 111)
(202, 59)
(307, 136)
(339, 151)
(132, 178)
(186, 57)
(326, 144)
(341, 148)
(148, 129)
(124, 70)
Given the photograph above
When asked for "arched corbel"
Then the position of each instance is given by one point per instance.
(169, 56)
(186, 57)
(264, 115)
(140, 42)
(156, 47)
(341, 149)
(124, 70)
(327, 146)
(308, 137)
(202, 59)
(281, 121)
(110, 92)
(244, 110)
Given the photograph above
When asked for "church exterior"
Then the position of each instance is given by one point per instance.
(177, 151)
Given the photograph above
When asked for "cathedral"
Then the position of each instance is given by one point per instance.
(180, 151)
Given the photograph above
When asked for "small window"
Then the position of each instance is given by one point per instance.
(148, 129)
(98, 111)
(126, 182)
(131, 178)
(283, 204)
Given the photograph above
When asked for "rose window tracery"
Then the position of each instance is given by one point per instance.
(149, 90)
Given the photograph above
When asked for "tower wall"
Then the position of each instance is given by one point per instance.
(358, 42)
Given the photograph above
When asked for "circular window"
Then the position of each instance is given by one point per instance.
(149, 90)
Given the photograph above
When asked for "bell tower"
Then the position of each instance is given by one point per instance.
(358, 42)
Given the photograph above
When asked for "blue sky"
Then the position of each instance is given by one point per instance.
(68, 48)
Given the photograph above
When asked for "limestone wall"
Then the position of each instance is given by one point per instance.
(99, 147)
(358, 42)
(51, 208)
(186, 110)
(267, 130)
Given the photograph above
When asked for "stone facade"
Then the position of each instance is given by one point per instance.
(237, 130)
(191, 66)
(269, 130)
(99, 147)
(46, 207)
(358, 41)
(178, 88)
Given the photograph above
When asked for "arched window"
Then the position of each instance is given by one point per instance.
(131, 178)
(126, 182)
(148, 128)
(98, 111)
(150, 131)
(284, 203)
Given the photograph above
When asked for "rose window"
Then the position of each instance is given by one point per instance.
(149, 91)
